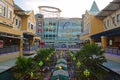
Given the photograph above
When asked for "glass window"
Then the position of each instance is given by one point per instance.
(2, 9)
(113, 20)
(108, 23)
(50, 23)
(10, 13)
(31, 26)
(28, 25)
(19, 23)
(118, 18)
(105, 25)
(16, 21)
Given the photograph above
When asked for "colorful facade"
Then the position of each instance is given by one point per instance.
(61, 30)
(92, 24)
(10, 36)
(69, 29)
(39, 26)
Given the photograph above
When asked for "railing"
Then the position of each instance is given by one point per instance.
(30, 48)
(112, 50)
(9, 49)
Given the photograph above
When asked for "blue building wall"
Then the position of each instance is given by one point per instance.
(69, 29)
(62, 30)
(50, 29)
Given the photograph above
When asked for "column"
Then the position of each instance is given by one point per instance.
(91, 40)
(21, 47)
(104, 41)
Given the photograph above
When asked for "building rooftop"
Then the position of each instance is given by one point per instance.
(94, 9)
(109, 9)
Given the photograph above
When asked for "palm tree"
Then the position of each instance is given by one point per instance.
(90, 56)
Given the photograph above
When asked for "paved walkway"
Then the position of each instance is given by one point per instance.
(5, 65)
(113, 66)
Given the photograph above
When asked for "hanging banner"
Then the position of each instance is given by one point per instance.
(1, 43)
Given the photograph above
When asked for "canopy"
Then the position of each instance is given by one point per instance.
(60, 72)
(61, 60)
(61, 64)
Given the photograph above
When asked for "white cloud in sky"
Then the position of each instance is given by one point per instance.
(70, 8)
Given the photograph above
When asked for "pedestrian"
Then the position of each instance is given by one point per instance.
(119, 46)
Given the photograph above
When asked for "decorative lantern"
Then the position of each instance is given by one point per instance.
(47, 58)
(40, 63)
(86, 73)
(74, 58)
(31, 74)
(78, 63)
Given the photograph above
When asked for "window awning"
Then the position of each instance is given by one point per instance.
(10, 36)
(109, 33)
(28, 35)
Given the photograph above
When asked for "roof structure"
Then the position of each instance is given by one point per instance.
(19, 10)
(109, 9)
(94, 9)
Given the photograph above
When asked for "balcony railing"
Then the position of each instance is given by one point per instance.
(30, 48)
(9, 49)
(112, 50)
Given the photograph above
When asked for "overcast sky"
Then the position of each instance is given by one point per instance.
(70, 8)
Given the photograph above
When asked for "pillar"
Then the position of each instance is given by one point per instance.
(32, 41)
(21, 47)
(91, 40)
(104, 41)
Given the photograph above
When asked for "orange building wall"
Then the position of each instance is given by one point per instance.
(96, 25)
(30, 18)
(24, 23)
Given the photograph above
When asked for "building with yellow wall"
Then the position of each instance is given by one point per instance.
(29, 32)
(110, 37)
(10, 38)
(17, 31)
(92, 24)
